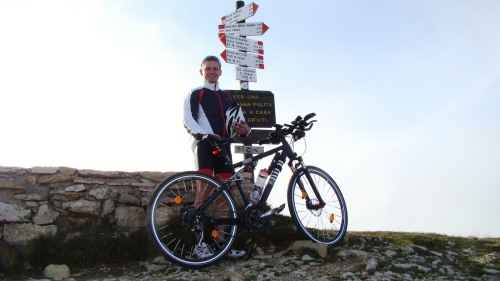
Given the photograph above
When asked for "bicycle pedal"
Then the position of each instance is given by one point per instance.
(280, 208)
(273, 211)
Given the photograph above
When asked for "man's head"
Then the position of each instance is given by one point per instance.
(211, 69)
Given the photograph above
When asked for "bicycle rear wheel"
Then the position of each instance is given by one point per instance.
(327, 224)
(179, 227)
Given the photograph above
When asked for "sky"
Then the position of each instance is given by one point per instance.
(407, 96)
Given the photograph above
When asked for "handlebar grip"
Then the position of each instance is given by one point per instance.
(309, 116)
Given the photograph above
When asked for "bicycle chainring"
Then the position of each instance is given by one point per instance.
(253, 220)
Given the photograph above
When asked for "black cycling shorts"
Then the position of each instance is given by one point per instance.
(206, 160)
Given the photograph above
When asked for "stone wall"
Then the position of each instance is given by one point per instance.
(45, 201)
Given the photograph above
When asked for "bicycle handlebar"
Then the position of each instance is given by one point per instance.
(297, 129)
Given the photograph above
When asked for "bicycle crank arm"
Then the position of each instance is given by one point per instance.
(273, 211)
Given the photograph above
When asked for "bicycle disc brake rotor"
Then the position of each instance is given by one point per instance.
(253, 219)
(316, 211)
(189, 219)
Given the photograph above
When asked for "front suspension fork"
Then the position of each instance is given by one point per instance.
(309, 203)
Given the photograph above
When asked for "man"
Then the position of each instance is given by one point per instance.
(204, 114)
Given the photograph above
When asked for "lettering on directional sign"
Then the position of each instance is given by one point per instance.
(258, 107)
(246, 74)
(249, 149)
(240, 14)
(232, 41)
(242, 58)
(244, 29)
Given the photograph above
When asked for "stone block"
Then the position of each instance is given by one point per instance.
(83, 207)
(21, 233)
(13, 213)
(44, 170)
(130, 217)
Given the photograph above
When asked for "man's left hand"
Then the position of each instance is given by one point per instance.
(241, 128)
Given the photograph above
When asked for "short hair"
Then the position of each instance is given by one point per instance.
(211, 58)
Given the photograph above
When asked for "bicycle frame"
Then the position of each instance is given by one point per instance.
(281, 153)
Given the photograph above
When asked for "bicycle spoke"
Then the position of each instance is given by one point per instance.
(326, 224)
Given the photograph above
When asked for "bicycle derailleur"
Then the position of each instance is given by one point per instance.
(257, 217)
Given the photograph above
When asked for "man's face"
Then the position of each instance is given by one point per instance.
(210, 71)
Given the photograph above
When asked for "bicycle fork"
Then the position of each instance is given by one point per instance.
(309, 203)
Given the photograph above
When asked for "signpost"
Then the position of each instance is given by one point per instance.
(247, 55)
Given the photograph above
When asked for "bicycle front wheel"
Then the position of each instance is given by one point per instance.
(326, 224)
(185, 229)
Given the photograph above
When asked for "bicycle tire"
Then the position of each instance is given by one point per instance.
(326, 225)
(171, 220)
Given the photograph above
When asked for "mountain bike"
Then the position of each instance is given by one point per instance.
(180, 223)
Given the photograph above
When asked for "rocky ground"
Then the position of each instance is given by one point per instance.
(363, 256)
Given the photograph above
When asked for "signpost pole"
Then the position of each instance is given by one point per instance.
(244, 86)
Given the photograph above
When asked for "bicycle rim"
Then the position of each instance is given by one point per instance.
(326, 225)
(176, 228)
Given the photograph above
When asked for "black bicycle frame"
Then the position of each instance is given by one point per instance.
(281, 152)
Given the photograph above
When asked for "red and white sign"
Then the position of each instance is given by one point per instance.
(232, 41)
(244, 29)
(240, 14)
(243, 59)
(246, 74)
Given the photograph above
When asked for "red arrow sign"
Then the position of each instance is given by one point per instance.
(244, 29)
(240, 14)
(243, 44)
(242, 58)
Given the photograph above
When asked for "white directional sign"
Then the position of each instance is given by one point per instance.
(246, 74)
(240, 14)
(249, 149)
(244, 59)
(244, 29)
(232, 41)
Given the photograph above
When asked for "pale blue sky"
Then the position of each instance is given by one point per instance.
(407, 95)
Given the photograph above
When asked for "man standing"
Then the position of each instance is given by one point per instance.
(205, 114)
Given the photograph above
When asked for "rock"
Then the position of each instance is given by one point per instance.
(407, 250)
(321, 249)
(65, 196)
(56, 179)
(75, 188)
(19, 233)
(307, 258)
(130, 217)
(45, 215)
(83, 207)
(32, 180)
(67, 171)
(236, 276)
(129, 200)
(13, 213)
(390, 253)
(56, 271)
(108, 207)
(44, 170)
(371, 265)
(352, 253)
(10, 184)
(156, 176)
(31, 197)
(101, 192)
